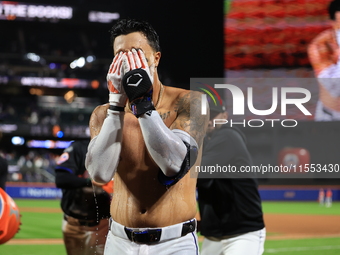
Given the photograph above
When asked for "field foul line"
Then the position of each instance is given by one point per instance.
(311, 248)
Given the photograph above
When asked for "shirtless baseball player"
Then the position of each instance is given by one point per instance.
(148, 137)
(324, 55)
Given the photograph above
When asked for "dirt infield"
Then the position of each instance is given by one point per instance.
(292, 226)
(279, 227)
(34, 241)
(40, 210)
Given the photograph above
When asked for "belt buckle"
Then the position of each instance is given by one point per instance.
(147, 236)
(133, 236)
(136, 236)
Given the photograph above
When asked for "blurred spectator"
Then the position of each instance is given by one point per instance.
(34, 166)
(329, 198)
(321, 197)
(3, 172)
(324, 55)
(3, 169)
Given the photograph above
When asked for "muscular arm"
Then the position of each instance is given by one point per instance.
(170, 148)
(189, 117)
(104, 149)
(323, 51)
(165, 147)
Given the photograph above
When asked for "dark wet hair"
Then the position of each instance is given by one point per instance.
(333, 7)
(127, 26)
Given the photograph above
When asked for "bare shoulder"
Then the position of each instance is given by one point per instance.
(182, 97)
(188, 101)
(189, 118)
(100, 111)
(175, 92)
(322, 50)
(97, 118)
(323, 37)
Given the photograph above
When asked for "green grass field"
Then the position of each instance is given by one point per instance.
(33, 249)
(311, 208)
(324, 246)
(311, 246)
(39, 224)
(42, 225)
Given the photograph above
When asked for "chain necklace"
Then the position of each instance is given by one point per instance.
(159, 95)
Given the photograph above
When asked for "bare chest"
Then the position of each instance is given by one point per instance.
(134, 154)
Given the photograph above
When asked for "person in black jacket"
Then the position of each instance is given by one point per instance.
(86, 205)
(229, 204)
(3, 170)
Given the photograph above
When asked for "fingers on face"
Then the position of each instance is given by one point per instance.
(126, 61)
(136, 58)
(125, 65)
(119, 66)
(131, 60)
(144, 62)
(116, 62)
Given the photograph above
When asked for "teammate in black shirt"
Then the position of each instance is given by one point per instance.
(86, 205)
(3, 170)
(229, 205)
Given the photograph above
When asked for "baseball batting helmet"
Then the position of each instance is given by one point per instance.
(9, 217)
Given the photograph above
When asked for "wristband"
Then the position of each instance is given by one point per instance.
(117, 99)
(142, 105)
(116, 108)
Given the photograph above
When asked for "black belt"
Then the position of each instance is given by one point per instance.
(154, 235)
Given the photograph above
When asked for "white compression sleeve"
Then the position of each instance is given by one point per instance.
(165, 146)
(104, 150)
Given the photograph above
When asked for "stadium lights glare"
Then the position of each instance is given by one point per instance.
(80, 62)
(52, 66)
(48, 144)
(18, 140)
(60, 134)
(33, 57)
(90, 59)
(70, 96)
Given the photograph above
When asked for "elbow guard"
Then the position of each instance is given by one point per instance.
(188, 162)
